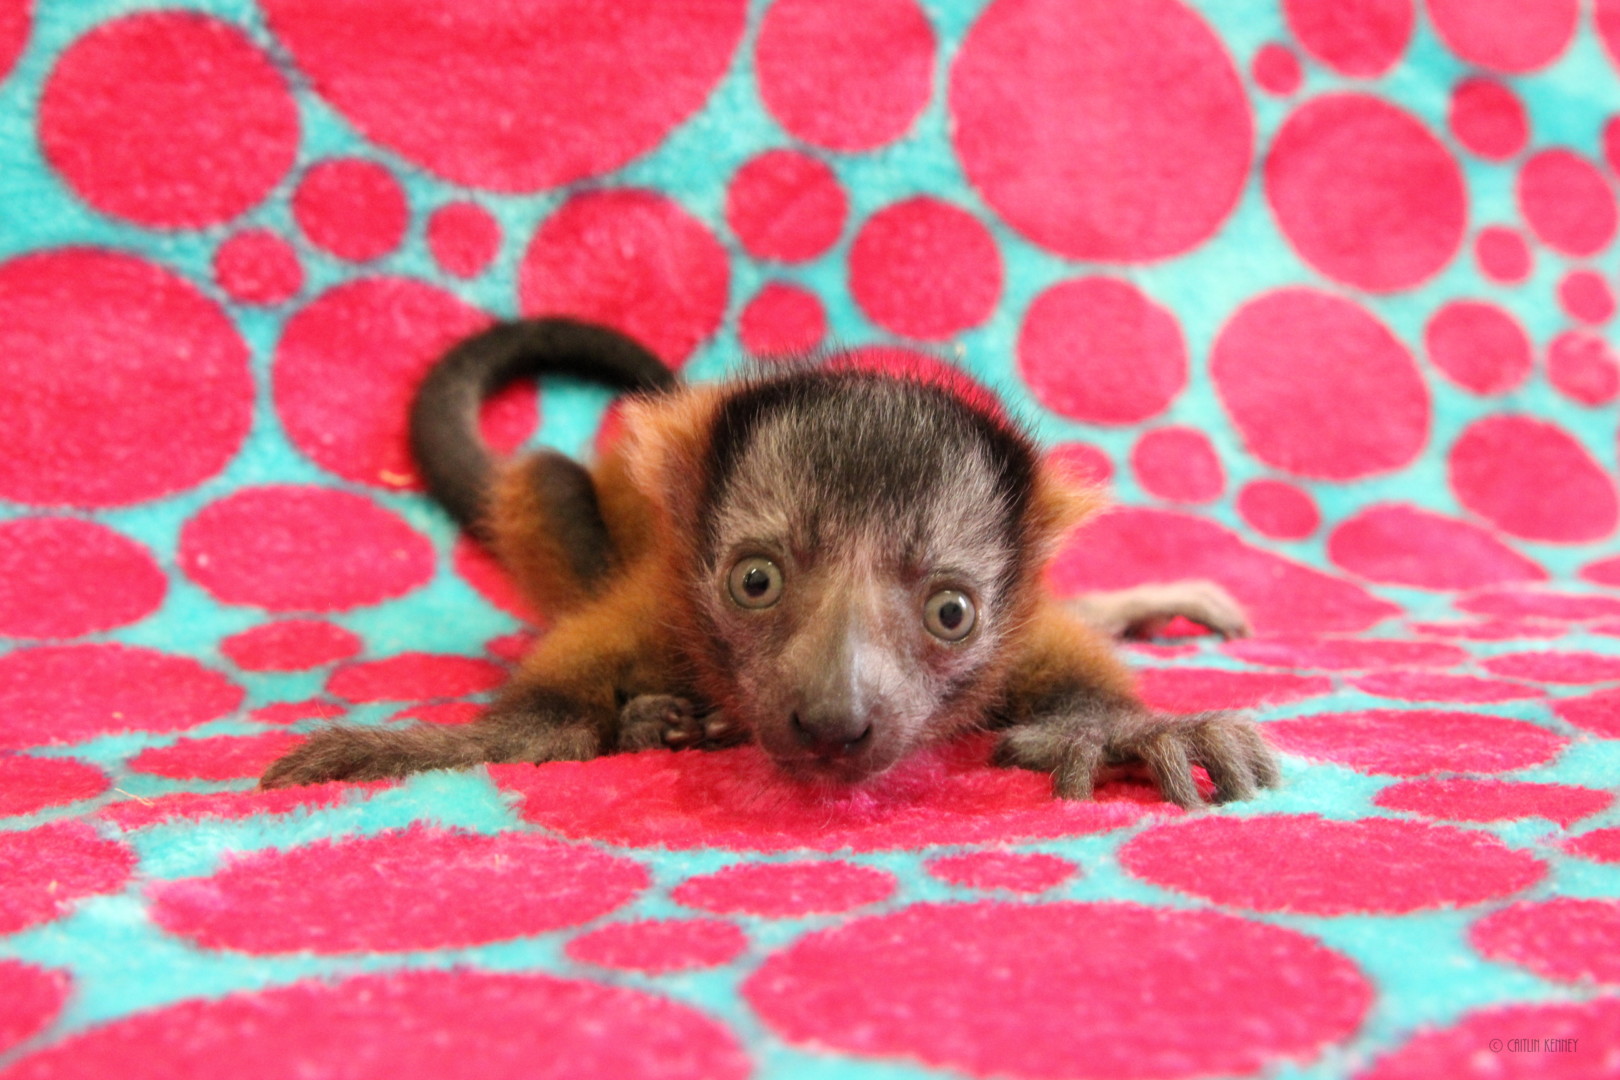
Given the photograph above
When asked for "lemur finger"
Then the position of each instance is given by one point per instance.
(1165, 752)
(1262, 758)
(1075, 775)
(1216, 741)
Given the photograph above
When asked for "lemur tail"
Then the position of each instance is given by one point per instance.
(455, 464)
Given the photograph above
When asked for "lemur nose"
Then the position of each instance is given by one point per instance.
(831, 733)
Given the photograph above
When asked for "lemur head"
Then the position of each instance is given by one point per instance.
(859, 554)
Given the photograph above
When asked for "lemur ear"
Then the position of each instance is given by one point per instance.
(1062, 503)
(663, 443)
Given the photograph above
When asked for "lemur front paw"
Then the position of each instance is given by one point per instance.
(1073, 748)
(649, 721)
(1143, 610)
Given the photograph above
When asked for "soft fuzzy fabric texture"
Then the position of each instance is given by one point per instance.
(1321, 288)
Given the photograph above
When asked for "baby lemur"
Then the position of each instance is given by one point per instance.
(843, 565)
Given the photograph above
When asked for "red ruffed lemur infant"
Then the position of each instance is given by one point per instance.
(843, 565)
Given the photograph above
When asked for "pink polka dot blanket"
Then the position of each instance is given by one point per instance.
(1323, 290)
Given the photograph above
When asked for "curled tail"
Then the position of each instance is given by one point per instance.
(456, 465)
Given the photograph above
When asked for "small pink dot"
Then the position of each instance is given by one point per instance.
(786, 205)
(1586, 296)
(353, 208)
(258, 267)
(1178, 464)
(1276, 69)
(1488, 119)
(782, 320)
(464, 238)
(1278, 509)
(1582, 367)
(1502, 254)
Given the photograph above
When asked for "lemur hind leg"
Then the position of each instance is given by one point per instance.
(1143, 610)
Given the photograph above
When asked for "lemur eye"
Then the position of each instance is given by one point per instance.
(755, 582)
(949, 615)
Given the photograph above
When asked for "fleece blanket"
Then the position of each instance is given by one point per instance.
(1321, 289)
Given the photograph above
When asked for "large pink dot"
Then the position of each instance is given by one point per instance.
(925, 269)
(1178, 464)
(633, 260)
(1178, 689)
(49, 867)
(1565, 939)
(349, 417)
(1532, 479)
(464, 238)
(1488, 119)
(1320, 866)
(1397, 742)
(845, 74)
(1410, 685)
(30, 997)
(1003, 989)
(169, 119)
(290, 645)
(1583, 368)
(1319, 387)
(351, 207)
(1278, 509)
(1076, 119)
(29, 784)
(414, 676)
(131, 814)
(63, 577)
(1464, 1048)
(88, 341)
(786, 205)
(58, 694)
(1505, 35)
(782, 321)
(256, 266)
(1556, 666)
(657, 948)
(1398, 544)
(786, 890)
(1359, 38)
(1522, 603)
(1478, 346)
(548, 96)
(1567, 202)
(1468, 799)
(1365, 193)
(220, 757)
(1502, 254)
(361, 894)
(1100, 351)
(1598, 713)
(405, 1024)
(15, 22)
(295, 548)
(1007, 870)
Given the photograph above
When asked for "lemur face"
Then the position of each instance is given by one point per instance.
(861, 549)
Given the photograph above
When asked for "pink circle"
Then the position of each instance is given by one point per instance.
(1478, 346)
(1467, 799)
(1098, 350)
(1299, 371)
(1603, 571)
(49, 867)
(922, 367)
(1081, 463)
(1140, 84)
(1397, 544)
(1502, 254)
(1455, 1051)
(1488, 118)
(573, 90)
(351, 207)
(464, 238)
(1344, 654)
(1007, 870)
(1188, 690)
(53, 695)
(63, 577)
(16, 17)
(1584, 295)
(786, 205)
(658, 948)
(297, 548)
(290, 645)
(1187, 993)
(1582, 367)
(1541, 605)
(1275, 69)
(410, 1024)
(415, 676)
(1532, 479)
(1178, 464)
(786, 890)
(1505, 35)
(925, 269)
(1598, 713)
(739, 800)
(845, 74)
(1599, 845)
(478, 568)
(351, 418)
(256, 266)
(782, 321)
(633, 260)
(31, 998)
(1567, 202)
(1553, 666)
(1279, 510)
(30, 784)
(1406, 685)
(132, 814)
(1359, 38)
(1564, 939)
(1398, 742)
(220, 757)
(1365, 193)
(1319, 866)
(88, 341)
(169, 119)
(362, 894)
